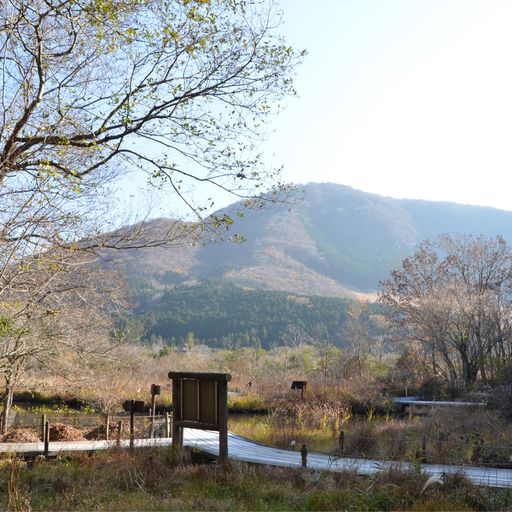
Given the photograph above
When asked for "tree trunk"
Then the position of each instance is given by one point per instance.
(6, 406)
(469, 372)
(434, 365)
(483, 371)
(450, 368)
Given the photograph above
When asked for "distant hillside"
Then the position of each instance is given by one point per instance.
(336, 242)
(221, 314)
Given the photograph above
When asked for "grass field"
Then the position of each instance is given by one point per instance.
(148, 480)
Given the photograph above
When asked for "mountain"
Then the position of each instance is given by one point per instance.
(336, 242)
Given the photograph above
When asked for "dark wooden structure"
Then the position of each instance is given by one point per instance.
(300, 384)
(155, 390)
(200, 400)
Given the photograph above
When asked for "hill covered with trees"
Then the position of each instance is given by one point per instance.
(298, 268)
(221, 314)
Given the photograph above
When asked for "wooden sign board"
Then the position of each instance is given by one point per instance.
(299, 384)
(199, 400)
(133, 405)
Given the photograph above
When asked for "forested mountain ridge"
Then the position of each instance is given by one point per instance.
(221, 314)
(336, 242)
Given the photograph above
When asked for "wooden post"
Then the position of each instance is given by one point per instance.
(107, 426)
(223, 422)
(46, 439)
(153, 411)
(119, 432)
(304, 456)
(341, 442)
(132, 424)
(176, 416)
(43, 423)
(167, 425)
(424, 448)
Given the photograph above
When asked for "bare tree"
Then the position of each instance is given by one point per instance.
(359, 342)
(179, 90)
(453, 299)
(55, 313)
(93, 90)
(327, 355)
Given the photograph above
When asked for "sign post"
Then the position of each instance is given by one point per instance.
(133, 406)
(200, 400)
(155, 390)
(300, 384)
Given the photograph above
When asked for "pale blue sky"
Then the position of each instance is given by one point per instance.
(406, 98)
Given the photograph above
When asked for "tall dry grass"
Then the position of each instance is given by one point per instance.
(149, 480)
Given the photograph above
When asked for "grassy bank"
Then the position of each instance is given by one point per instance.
(443, 436)
(148, 480)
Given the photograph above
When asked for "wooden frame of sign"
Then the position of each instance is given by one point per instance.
(200, 400)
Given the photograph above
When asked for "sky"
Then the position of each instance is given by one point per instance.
(404, 98)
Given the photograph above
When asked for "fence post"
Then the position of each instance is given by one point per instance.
(43, 423)
(153, 412)
(46, 439)
(304, 455)
(132, 425)
(107, 425)
(119, 431)
(341, 442)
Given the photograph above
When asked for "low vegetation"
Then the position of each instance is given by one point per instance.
(149, 480)
(263, 407)
(480, 438)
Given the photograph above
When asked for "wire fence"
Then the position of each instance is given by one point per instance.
(409, 446)
(417, 447)
(30, 427)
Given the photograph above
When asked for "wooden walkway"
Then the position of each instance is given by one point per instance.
(248, 451)
(59, 447)
(412, 400)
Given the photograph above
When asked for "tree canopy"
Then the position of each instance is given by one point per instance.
(453, 300)
(178, 89)
(221, 314)
(91, 90)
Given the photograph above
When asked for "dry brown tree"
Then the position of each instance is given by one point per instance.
(453, 300)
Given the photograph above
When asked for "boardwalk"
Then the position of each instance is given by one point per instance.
(249, 451)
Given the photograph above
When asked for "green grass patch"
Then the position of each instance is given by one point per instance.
(248, 403)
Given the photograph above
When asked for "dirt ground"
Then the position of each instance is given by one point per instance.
(58, 432)
(21, 435)
(62, 432)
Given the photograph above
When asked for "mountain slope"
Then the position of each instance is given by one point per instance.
(336, 242)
